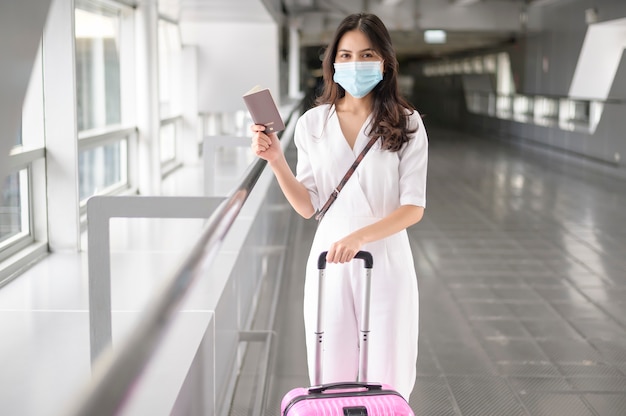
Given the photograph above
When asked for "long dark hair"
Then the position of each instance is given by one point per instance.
(390, 116)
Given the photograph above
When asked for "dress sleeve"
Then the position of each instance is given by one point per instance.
(304, 170)
(413, 165)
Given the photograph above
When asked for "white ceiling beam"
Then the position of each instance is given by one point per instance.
(465, 2)
(388, 3)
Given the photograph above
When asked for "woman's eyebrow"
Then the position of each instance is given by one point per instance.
(361, 51)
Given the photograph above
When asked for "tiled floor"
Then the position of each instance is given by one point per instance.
(521, 262)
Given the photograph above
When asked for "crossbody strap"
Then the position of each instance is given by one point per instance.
(345, 178)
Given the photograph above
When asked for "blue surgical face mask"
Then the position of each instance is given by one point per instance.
(358, 78)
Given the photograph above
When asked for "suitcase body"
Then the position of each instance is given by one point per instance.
(352, 398)
(345, 399)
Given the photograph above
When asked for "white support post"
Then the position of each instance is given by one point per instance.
(148, 121)
(59, 74)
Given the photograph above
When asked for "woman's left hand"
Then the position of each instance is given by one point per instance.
(344, 250)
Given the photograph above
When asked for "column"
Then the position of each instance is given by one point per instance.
(59, 74)
(147, 82)
(294, 59)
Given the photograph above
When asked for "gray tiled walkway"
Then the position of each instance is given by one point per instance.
(521, 264)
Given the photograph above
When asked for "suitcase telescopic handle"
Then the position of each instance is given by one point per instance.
(341, 386)
(366, 256)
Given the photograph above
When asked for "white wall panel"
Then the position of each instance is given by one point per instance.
(232, 58)
(21, 26)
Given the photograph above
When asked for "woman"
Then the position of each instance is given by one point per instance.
(385, 195)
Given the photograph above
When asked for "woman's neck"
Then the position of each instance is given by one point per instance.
(356, 105)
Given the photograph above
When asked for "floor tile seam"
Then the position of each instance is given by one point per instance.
(531, 337)
(546, 342)
(575, 259)
(504, 379)
(589, 405)
(537, 344)
(506, 301)
(585, 362)
(593, 302)
(522, 402)
(497, 229)
(568, 231)
(593, 342)
(599, 391)
(569, 323)
(480, 339)
(452, 398)
(581, 397)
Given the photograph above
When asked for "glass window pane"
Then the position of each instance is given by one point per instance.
(18, 139)
(14, 207)
(168, 142)
(169, 57)
(97, 67)
(102, 168)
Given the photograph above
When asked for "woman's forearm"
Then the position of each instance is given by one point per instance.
(398, 220)
(294, 191)
(344, 250)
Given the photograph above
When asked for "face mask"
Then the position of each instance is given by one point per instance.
(358, 78)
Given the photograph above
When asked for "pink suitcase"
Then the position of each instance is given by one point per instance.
(360, 398)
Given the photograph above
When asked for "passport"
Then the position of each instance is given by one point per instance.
(263, 110)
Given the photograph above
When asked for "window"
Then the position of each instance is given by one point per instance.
(19, 217)
(97, 67)
(168, 134)
(14, 211)
(102, 168)
(169, 69)
(14, 205)
(546, 111)
(523, 108)
(103, 143)
(169, 93)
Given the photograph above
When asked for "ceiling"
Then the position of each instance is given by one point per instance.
(469, 24)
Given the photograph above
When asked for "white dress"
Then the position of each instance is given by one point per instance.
(383, 182)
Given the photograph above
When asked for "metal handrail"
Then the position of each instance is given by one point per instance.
(116, 371)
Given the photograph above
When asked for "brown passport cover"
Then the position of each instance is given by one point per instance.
(263, 109)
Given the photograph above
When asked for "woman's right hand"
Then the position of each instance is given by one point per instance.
(265, 146)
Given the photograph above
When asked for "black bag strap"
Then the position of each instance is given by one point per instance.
(345, 178)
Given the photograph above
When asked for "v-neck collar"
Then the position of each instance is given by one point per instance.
(360, 142)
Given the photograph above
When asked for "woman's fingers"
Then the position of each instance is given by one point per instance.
(265, 145)
(340, 254)
(257, 127)
(260, 142)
